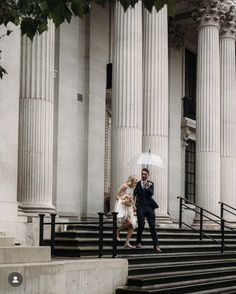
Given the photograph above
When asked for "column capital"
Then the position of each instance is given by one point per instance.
(209, 12)
(228, 28)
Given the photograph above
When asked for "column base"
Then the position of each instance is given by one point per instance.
(163, 221)
(37, 208)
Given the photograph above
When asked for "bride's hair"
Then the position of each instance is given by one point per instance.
(131, 180)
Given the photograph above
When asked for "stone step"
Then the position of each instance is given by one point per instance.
(155, 268)
(215, 285)
(18, 254)
(180, 275)
(146, 234)
(84, 242)
(225, 290)
(108, 227)
(7, 241)
(138, 259)
(107, 251)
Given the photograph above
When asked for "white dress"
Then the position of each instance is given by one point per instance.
(125, 211)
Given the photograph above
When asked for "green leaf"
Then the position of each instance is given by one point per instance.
(9, 32)
(2, 72)
(125, 4)
(149, 4)
(133, 2)
(68, 15)
(171, 4)
(77, 6)
(159, 4)
(43, 26)
(58, 15)
(29, 27)
(44, 7)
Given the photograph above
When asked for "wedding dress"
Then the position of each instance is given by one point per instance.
(125, 211)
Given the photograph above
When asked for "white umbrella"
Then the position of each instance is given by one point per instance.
(147, 158)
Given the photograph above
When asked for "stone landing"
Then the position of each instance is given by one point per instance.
(93, 276)
(15, 254)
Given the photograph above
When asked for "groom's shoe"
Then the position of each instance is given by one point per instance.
(156, 249)
(138, 245)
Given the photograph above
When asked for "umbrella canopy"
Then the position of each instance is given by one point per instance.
(148, 158)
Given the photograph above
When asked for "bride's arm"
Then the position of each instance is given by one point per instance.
(121, 192)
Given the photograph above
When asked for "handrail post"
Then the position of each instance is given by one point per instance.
(53, 218)
(222, 235)
(201, 223)
(222, 210)
(100, 234)
(41, 227)
(180, 212)
(114, 241)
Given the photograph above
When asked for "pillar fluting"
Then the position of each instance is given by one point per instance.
(208, 106)
(126, 93)
(35, 155)
(156, 99)
(228, 110)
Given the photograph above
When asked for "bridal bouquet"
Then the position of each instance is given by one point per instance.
(128, 201)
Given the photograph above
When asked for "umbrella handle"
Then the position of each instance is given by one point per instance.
(149, 151)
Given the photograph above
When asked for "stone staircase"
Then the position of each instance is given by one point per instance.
(185, 265)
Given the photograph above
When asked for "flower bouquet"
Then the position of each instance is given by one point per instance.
(128, 200)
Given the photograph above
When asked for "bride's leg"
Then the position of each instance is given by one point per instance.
(129, 233)
(122, 227)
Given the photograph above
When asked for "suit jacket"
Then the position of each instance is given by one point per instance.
(144, 196)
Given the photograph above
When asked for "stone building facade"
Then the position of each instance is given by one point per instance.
(79, 102)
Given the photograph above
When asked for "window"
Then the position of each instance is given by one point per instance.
(190, 164)
(190, 85)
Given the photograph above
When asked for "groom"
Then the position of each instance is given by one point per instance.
(145, 209)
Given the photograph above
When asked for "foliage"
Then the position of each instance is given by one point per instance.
(33, 15)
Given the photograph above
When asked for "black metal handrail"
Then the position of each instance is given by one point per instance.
(100, 222)
(221, 221)
(222, 209)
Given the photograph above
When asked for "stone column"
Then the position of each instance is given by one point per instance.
(208, 106)
(36, 123)
(228, 110)
(126, 93)
(155, 100)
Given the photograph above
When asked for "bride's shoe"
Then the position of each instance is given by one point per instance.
(127, 245)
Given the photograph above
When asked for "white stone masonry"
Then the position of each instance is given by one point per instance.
(36, 122)
(127, 93)
(155, 100)
(208, 107)
(228, 110)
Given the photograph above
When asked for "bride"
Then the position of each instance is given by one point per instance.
(125, 207)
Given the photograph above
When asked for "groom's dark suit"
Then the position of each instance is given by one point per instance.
(145, 208)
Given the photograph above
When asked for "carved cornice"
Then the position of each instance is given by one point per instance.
(188, 130)
(209, 12)
(175, 34)
(228, 28)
